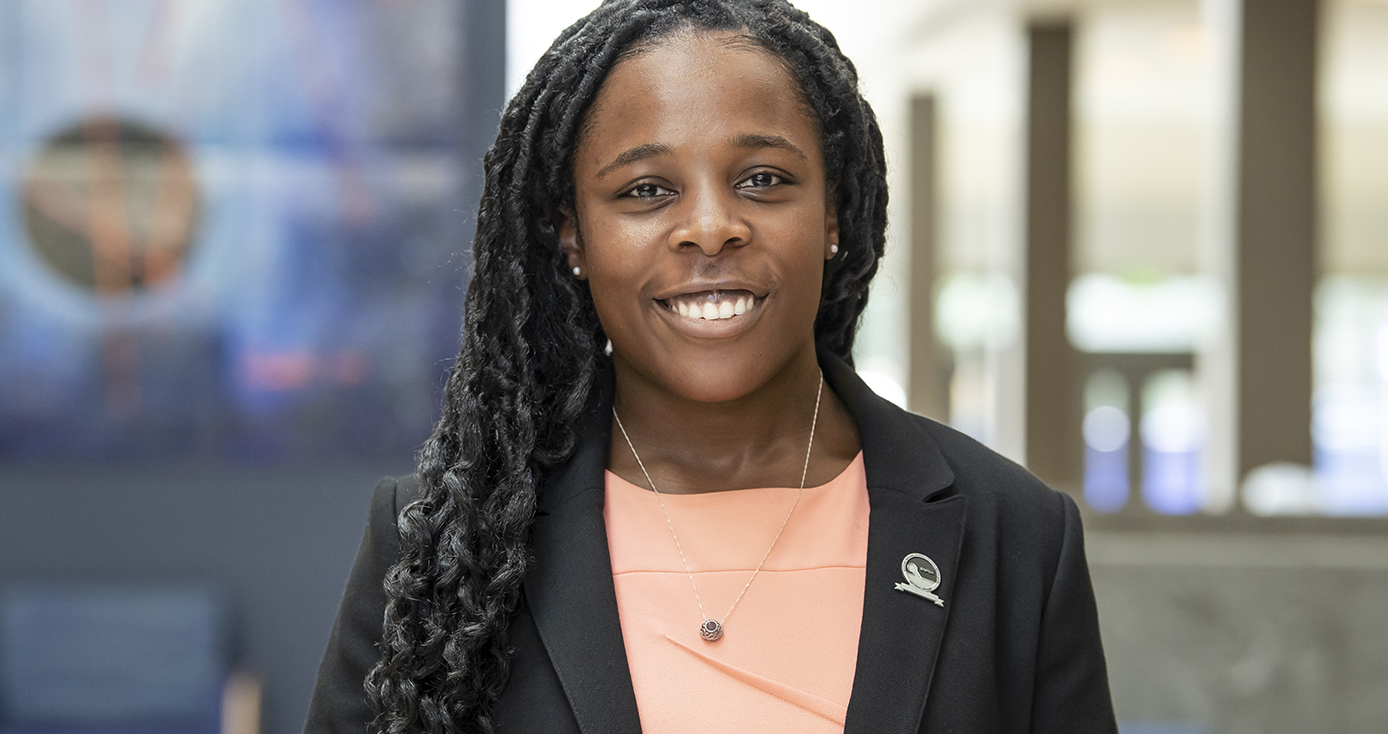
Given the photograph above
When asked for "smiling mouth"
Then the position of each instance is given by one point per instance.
(712, 305)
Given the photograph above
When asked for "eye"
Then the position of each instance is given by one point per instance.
(760, 180)
(648, 191)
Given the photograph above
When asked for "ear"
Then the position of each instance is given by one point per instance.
(831, 232)
(566, 226)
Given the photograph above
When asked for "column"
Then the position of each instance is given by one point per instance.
(1275, 232)
(1052, 404)
(930, 371)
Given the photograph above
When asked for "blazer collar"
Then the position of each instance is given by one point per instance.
(898, 454)
(570, 591)
(569, 586)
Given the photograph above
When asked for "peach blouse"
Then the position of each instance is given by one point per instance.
(786, 659)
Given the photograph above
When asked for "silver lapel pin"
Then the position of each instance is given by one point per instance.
(922, 577)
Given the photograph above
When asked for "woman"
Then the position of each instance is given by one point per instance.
(718, 526)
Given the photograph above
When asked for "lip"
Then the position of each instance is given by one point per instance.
(700, 286)
(705, 329)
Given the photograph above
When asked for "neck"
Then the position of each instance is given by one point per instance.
(755, 440)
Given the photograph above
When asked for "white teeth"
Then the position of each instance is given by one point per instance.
(716, 310)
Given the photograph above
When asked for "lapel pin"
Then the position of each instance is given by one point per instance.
(922, 577)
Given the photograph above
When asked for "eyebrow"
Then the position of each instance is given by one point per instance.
(632, 155)
(746, 141)
(752, 142)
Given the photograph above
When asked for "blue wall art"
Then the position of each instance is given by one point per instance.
(230, 228)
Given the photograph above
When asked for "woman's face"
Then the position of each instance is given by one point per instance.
(702, 220)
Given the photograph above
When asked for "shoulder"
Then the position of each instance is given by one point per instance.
(1021, 583)
(986, 476)
(393, 494)
(1009, 508)
(398, 491)
(353, 648)
(388, 500)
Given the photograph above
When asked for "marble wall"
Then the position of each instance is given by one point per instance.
(1216, 634)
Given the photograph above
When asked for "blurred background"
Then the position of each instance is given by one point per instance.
(1140, 246)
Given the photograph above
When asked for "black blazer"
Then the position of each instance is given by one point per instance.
(1014, 648)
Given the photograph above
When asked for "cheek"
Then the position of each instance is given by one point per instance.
(808, 273)
(806, 292)
(805, 241)
(618, 259)
(610, 240)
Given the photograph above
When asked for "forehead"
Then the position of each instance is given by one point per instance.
(694, 85)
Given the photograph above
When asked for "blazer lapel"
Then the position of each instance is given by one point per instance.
(569, 586)
(901, 631)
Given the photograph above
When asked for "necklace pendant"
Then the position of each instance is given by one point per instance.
(711, 630)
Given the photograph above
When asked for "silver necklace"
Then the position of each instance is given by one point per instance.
(712, 629)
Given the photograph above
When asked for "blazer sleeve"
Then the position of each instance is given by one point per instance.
(1072, 693)
(339, 698)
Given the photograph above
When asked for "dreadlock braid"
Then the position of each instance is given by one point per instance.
(532, 347)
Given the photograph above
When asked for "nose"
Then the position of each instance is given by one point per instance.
(710, 220)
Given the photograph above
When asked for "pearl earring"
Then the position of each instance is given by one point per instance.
(834, 249)
(577, 270)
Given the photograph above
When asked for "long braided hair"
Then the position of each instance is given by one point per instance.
(533, 348)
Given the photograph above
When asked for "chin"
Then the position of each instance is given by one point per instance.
(718, 379)
(713, 393)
